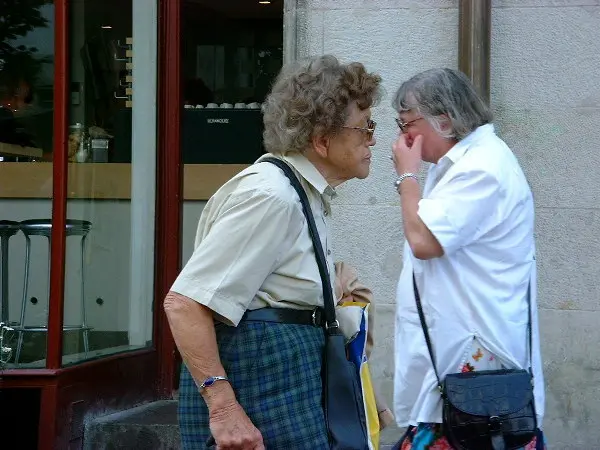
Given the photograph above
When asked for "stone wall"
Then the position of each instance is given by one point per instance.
(546, 96)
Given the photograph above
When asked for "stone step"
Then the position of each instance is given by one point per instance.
(148, 427)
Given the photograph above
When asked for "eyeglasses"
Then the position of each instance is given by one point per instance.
(369, 130)
(404, 125)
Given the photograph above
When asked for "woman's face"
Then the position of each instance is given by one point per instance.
(349, 152)
(433, 146)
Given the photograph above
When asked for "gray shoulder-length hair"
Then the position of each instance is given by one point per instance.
(436, 93)
(312, 97)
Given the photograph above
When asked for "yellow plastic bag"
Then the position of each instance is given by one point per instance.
(357, 353)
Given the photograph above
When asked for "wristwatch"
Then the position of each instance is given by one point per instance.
(403, 177)
(211, 380)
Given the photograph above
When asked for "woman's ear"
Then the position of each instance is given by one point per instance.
(446, 123)
(320, 144)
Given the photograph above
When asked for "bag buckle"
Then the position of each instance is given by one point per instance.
(335, 324)
(495, 424)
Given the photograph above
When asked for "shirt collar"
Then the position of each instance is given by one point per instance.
(309, 172)
(461, 147)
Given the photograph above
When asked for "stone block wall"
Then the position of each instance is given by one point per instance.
(545, 87)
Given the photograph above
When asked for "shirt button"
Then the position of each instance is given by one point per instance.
(325, 213)
(328, 252)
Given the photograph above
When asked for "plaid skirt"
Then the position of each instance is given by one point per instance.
(275, 371)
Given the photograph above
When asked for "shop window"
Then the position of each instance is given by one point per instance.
(231, 51)
(112, 153)
(109, 267)
(26, 140)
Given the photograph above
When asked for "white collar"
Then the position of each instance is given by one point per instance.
(308, 171)
(461, 147)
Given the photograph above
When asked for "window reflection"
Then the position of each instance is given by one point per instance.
(26, 79)
(26, 120)
(112, 150)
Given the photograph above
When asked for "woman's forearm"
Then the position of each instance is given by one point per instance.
(422, 242)
(194, 333)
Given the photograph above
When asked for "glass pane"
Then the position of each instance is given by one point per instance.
(112, 152)
(26, 120)
(231, 51)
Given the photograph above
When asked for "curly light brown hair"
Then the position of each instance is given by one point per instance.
(312, 98)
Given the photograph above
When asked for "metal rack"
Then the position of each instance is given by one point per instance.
(126, 85)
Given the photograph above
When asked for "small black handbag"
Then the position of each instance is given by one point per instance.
(342, 395)
(486, 410)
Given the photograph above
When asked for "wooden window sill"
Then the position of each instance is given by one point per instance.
(105, 181)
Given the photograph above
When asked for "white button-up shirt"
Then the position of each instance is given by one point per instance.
(253, 248)
(479, 206)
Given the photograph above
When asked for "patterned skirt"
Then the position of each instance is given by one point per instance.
(275, 371)
(429, 436)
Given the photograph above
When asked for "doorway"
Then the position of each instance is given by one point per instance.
(231, 51)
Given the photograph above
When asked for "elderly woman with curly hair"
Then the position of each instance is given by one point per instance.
(241, 311)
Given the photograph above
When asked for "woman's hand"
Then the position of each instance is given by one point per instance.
(193, 328)
(232, 429)
(407, 158)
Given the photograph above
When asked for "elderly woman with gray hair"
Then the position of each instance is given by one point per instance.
(242, 311)
(466, 298)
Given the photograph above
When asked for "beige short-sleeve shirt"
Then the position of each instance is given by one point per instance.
(253, 248)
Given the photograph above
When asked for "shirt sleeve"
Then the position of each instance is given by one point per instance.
(240, 250)
(462, 210)
(347, 284)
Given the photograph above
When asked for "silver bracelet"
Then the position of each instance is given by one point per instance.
(210, 381)
(403, 177)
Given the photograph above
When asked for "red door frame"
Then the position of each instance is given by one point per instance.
(127, 379)
(59, 186)
(169, 207)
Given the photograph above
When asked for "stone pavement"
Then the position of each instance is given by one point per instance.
(148, 427)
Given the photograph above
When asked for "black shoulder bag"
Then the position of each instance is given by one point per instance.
(490, 409)
(342, 395)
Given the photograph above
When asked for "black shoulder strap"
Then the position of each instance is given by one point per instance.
(428, 339)
(328, 301)
(425, 330)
